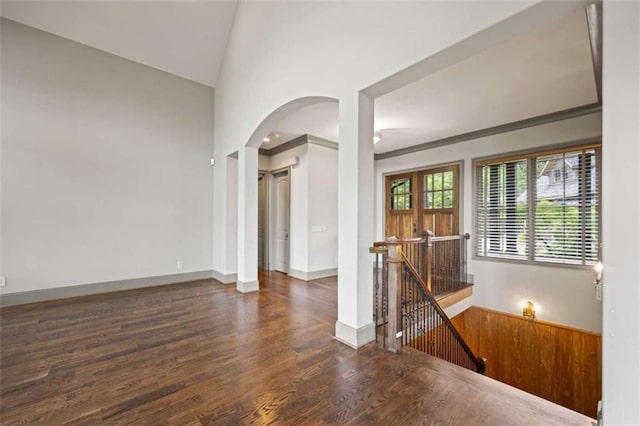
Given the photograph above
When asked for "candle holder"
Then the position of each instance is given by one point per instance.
(597, 283)
(528, 311)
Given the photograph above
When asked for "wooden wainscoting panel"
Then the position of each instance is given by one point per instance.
(558, 363)
(587, 387)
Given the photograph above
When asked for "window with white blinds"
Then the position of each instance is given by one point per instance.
(541, 207)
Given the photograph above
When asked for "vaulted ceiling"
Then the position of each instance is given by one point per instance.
(185, 38)
(548, 70)
(544, 71)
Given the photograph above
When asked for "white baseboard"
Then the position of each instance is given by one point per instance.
(247, 287)
(313, 275)
(353, 337)
(224, 278)
(20, 298)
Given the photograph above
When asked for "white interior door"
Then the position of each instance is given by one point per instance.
(261, 221)
(281, 193)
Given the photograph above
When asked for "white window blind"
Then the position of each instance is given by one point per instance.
(541, 207)
(502, 212)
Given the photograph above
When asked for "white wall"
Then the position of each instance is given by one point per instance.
(355, 37)
(105, 166)
(621, 213)
(264, 162)
(314, 202)
(232, 215)
(323, 208)
(500, 285)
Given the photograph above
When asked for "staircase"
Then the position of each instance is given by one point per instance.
(406, 311)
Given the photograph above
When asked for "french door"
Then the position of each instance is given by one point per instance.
(423, 200)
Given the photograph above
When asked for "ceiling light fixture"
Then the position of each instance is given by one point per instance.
(266, 139)
(376, 139)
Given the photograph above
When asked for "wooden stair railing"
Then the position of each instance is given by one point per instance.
(408, 312)
(427, 327)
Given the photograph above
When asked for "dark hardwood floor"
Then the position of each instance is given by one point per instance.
(202, 353)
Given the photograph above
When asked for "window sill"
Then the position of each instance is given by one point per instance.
(531, 262)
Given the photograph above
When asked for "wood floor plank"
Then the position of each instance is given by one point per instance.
(201, 353)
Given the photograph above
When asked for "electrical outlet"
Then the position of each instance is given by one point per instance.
(3, 282)
(179, 264)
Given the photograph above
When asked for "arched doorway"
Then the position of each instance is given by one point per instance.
(248, 236)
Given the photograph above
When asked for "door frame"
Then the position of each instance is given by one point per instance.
(271, 219)
(461, 191)
(266, 175)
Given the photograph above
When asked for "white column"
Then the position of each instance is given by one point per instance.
(225, 181)
(355, 221)
(219, 218)
(247, 220)
(621, 213)
(231, 224)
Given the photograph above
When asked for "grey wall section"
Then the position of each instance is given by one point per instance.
(46, 294)
(105, 166)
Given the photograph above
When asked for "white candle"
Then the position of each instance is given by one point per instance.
(598, 271)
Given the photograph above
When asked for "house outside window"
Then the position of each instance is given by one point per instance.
(401, 194)
(540, 207)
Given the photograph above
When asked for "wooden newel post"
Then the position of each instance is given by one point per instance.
(428, 254)
(394, 322)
